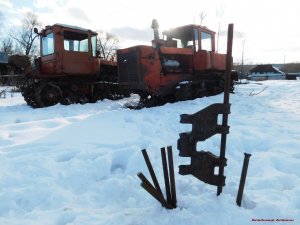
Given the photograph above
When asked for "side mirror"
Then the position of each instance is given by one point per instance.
(97, 53)
(35, 30)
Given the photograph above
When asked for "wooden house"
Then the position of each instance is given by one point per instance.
(266, 72)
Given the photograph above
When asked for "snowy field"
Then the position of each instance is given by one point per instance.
(77, 164)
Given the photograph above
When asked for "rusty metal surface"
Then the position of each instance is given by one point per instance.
(64, 62)
(169, 178)
(151, 171)
(227, 90)
(203, 166)
(204, 125)
(147, 70)
(166, 174)
(205, 122)
(172, 176)
(243, 179)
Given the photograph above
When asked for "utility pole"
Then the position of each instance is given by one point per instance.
(242, 68)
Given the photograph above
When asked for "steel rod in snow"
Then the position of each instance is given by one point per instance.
(144, 179)
(226, 98)
(243, 179)
(153, 192)
(151, 171)
(172, 176)
(166, 174)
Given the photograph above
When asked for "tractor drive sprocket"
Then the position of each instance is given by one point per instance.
(48, 94)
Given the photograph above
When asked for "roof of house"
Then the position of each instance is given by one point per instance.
(267, 68)
(243, 68)
(290, 68)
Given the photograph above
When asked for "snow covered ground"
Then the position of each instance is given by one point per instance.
(77, 164)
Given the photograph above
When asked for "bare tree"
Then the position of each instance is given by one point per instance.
(1, 21)
(26, 36)
(6, 46)
(202, 16)
(219, 14)
(107, 44)
(243, 53)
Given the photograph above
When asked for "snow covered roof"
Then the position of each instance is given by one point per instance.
(268, 68)
(291, 68)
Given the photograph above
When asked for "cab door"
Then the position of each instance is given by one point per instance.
(77, 53)
(48, 59)
(204, 44)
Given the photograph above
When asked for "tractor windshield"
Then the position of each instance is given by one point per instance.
(206, 41)
(180, 38)
(48, 44)
(77, 42)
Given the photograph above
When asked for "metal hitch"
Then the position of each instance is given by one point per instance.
(204, 125)
(204, 164)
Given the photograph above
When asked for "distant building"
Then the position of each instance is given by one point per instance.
(266, 72)
(292, 70)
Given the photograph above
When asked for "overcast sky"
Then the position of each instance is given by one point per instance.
(269, 28)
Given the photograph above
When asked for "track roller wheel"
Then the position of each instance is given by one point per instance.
(83, 100)
(48, 95)
(66, 101)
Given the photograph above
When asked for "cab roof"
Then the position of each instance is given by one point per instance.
(71, 27)
(186, 28)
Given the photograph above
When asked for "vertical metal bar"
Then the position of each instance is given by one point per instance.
(172, 176)
(151, 171)
(243, 179)
(166, 175)
(226, 98)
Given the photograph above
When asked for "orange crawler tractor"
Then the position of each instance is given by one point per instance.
(69, 69)
(182, 65)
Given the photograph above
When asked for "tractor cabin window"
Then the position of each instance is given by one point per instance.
(181, 38)
(76, 42)
(196, 40)
(48, 44)
(94, 46)
(206, 41)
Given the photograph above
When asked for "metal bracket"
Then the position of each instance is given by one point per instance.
(203, 166)
(204, 125)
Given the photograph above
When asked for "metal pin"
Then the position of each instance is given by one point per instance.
(166, 174)
(151, 171)
(243, 179)
(172, 176)
(151, 190)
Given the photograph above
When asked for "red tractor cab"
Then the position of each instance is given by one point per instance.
(68, 50)
(69, 69)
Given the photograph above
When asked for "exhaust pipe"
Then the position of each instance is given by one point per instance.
(155, 27)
